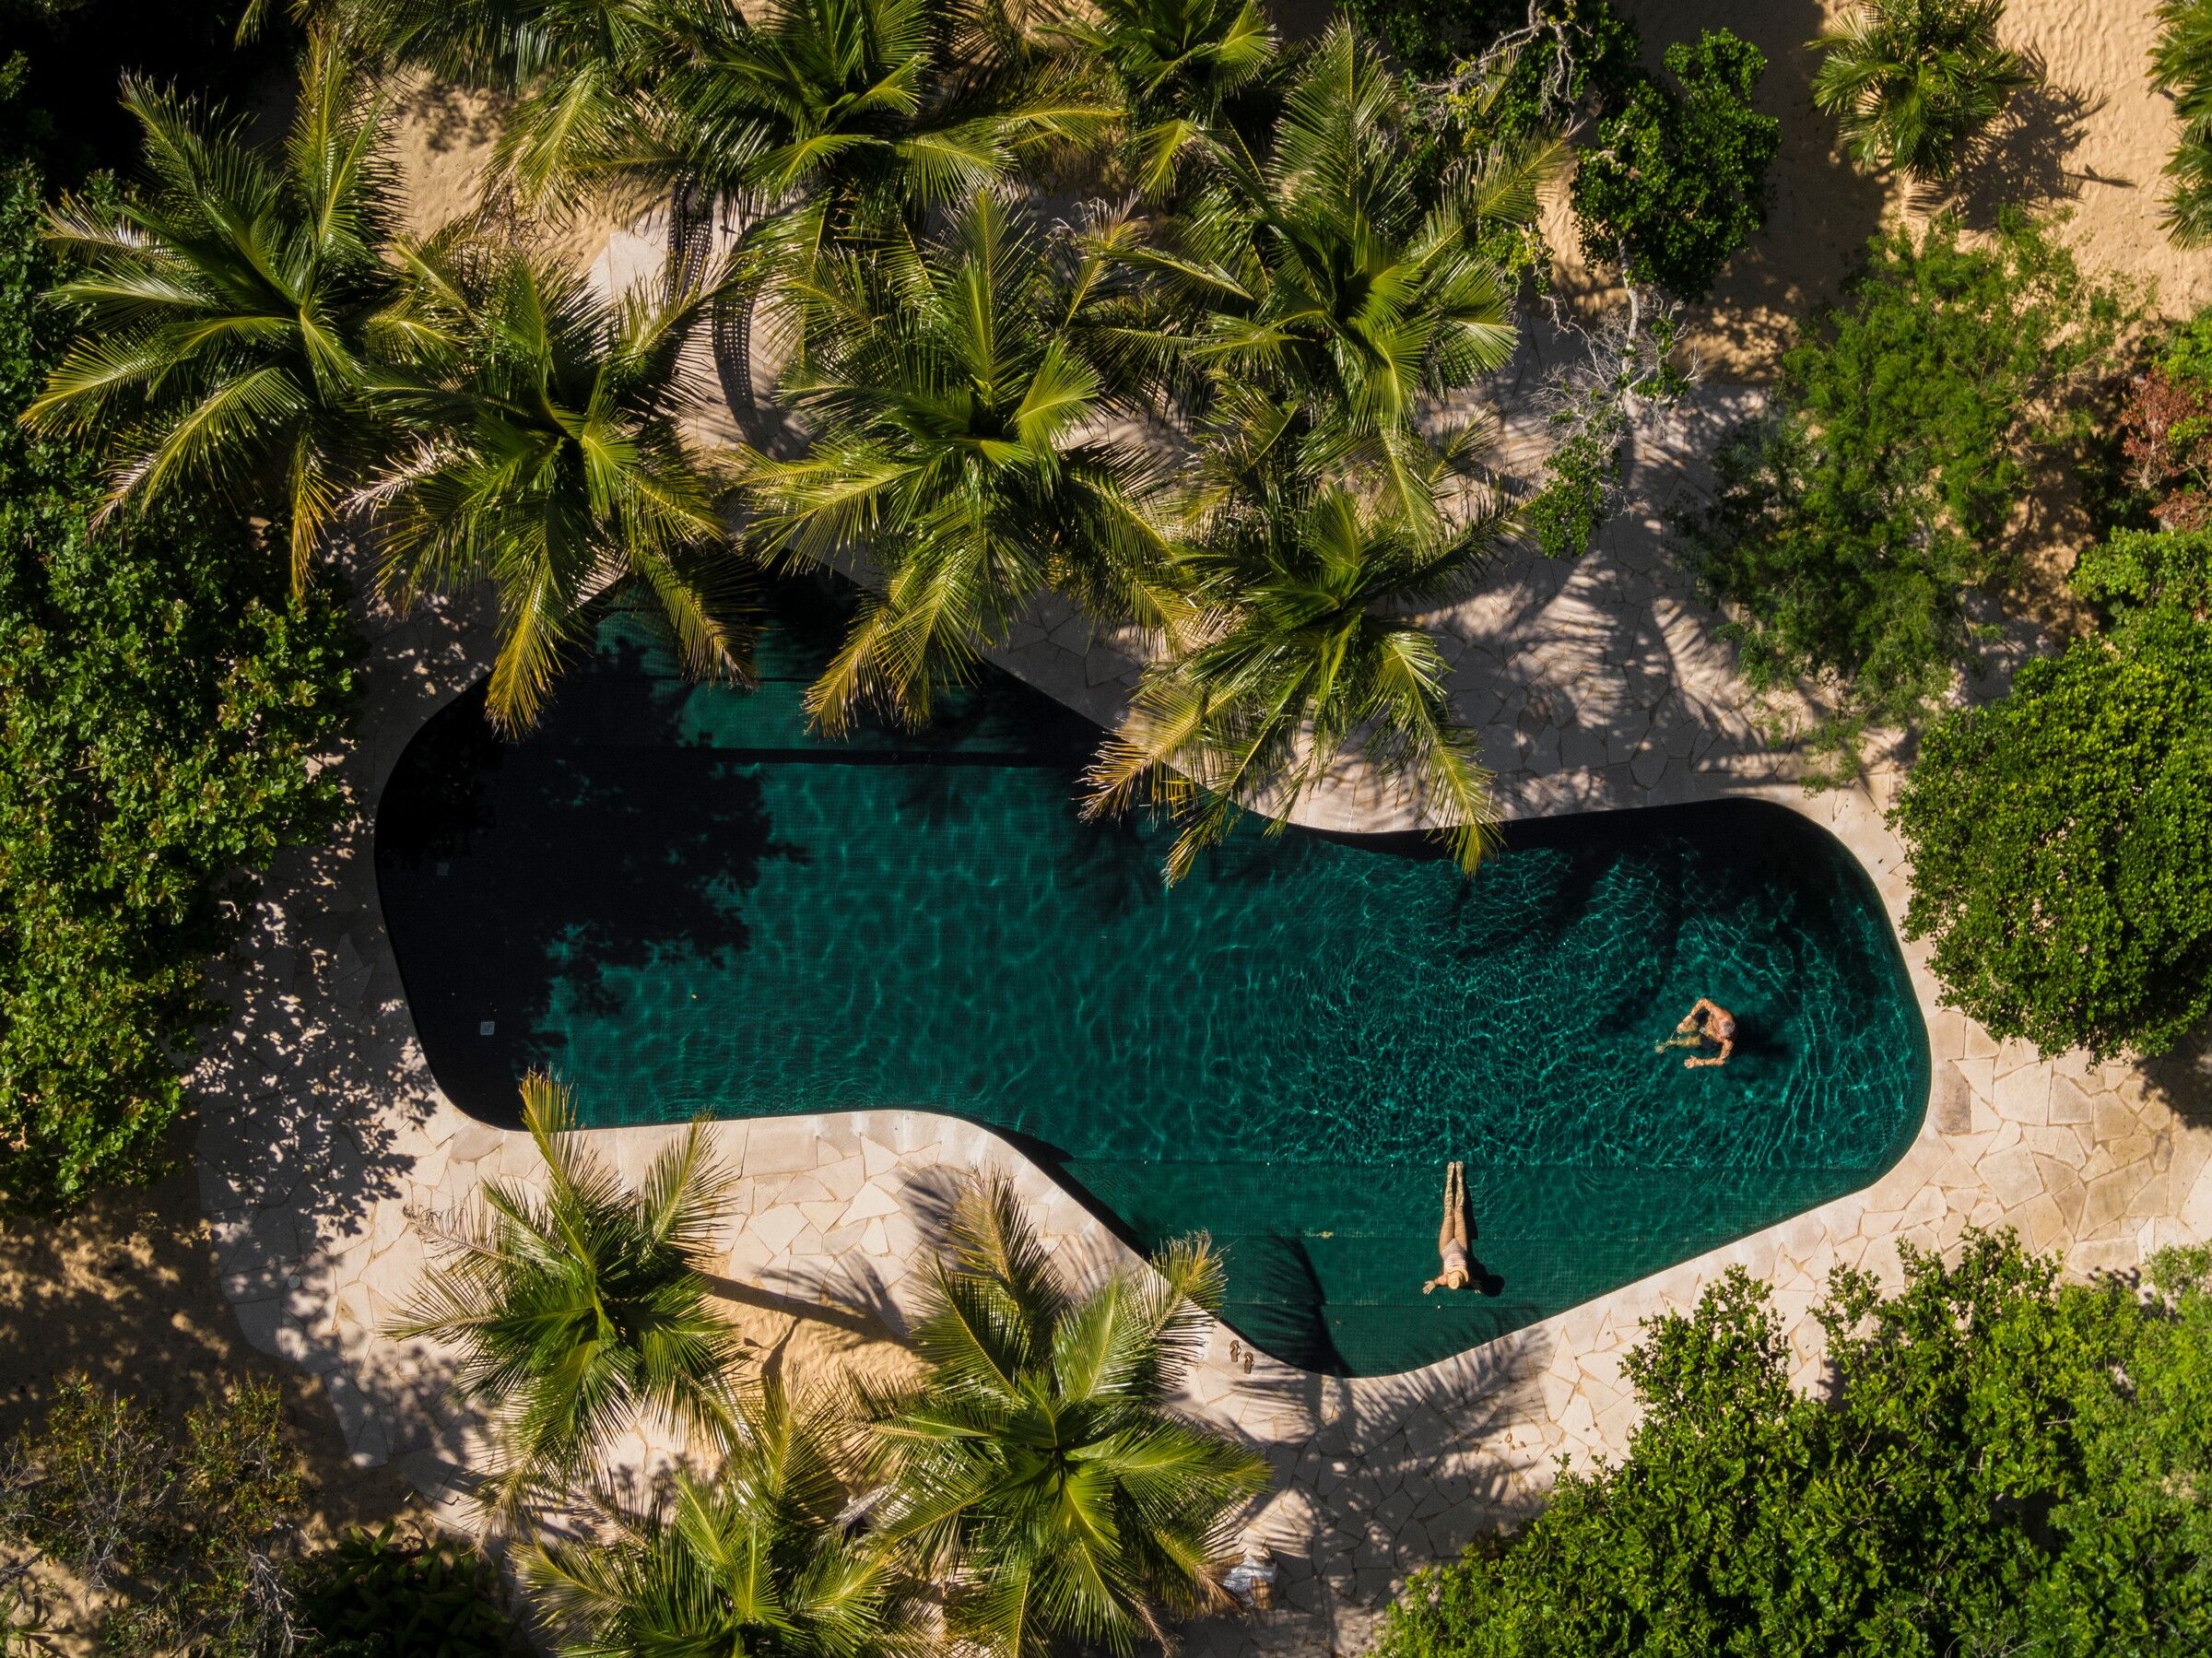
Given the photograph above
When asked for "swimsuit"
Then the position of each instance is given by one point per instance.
(1456, 1257)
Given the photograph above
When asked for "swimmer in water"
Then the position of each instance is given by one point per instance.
(1452, 1239)
(1707, 1022)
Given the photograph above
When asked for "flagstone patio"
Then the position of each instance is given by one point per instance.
(326, 1145)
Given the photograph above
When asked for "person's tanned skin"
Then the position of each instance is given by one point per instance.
(1707, 1022)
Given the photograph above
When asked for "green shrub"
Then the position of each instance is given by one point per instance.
(1849, 526)
(1676, 182)
(1432, 40)
(182, 1534)
(162, 698)
(1563, 516)
(2057, 836)
(2135, 570)
(374, 1597)
(2005, 1465)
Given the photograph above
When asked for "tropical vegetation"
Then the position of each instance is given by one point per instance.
(2050, 830)
(1032, 1492)
(1912, 82)
(165, 701)
(132, 1533)
(1856, 520)
(1675, 180)
(577, 1304)
(1037, 1471)
(754, 1557)
(2182, 68)
(2001, 1462)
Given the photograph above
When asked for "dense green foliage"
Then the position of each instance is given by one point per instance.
(1911, 82)
(752, 1560)
(548, 465)
(185, 1531)
(960, 451)
(578, 1305)
(1675, 181)
(1037, 1471)
(1578, 50)
(1850, 527)
(226, 305)
(72, 54)
(2056, 834)
(161, 702)
(2005, 1464)
(2182, 68)
(372, 1596)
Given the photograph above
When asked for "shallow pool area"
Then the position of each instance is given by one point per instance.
(680, 901)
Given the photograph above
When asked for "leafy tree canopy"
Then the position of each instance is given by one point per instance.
(1851, 526)
(2001, 1464)
(162, 700)
(1676, 182)
(2057, 835)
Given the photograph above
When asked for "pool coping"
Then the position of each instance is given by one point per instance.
(334, 1146)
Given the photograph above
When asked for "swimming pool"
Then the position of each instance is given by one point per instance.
(681, 901)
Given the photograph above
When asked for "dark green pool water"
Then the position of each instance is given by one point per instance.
(681, 902)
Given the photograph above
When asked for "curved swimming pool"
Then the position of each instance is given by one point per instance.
(681, 901)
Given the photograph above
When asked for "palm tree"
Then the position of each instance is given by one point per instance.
(960, 453)
(578, 1304)
(1335, 295)
(574, 71)
(1911, 80)
(228, 304)
(2182, 68)
(546, 458)
(1188, 71)
(753, 1560)
(1037, 1472)
(1309, 652)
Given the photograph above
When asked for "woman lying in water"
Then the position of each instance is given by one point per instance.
(1451, 1241)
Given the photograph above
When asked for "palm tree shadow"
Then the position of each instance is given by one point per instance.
(2022, 160)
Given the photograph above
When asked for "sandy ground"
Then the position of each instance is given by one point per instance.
(2093, 139)
(442, 139)
(127, 1294)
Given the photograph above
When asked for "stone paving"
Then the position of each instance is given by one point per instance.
(326, 1145)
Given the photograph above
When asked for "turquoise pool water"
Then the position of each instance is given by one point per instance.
(681, 902)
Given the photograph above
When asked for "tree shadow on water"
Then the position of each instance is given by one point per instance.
(517, 876)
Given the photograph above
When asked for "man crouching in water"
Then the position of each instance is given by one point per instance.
(1707, 1022)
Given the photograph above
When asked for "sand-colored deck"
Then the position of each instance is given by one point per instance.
(1595, 684)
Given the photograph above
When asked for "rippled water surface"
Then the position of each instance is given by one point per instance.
(681, 902)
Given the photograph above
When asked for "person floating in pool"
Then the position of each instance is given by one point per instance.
(1452, 1239)
(1707, 1022)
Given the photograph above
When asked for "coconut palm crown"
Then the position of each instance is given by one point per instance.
(1037, 1470)
(1308, 650)
(753, 1560)
(963, 452)
(1332, 297)
(2180, 66)
(1912, 81)
(546, 458)
(228, 305)
(1188, 72)
(577, 1303)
